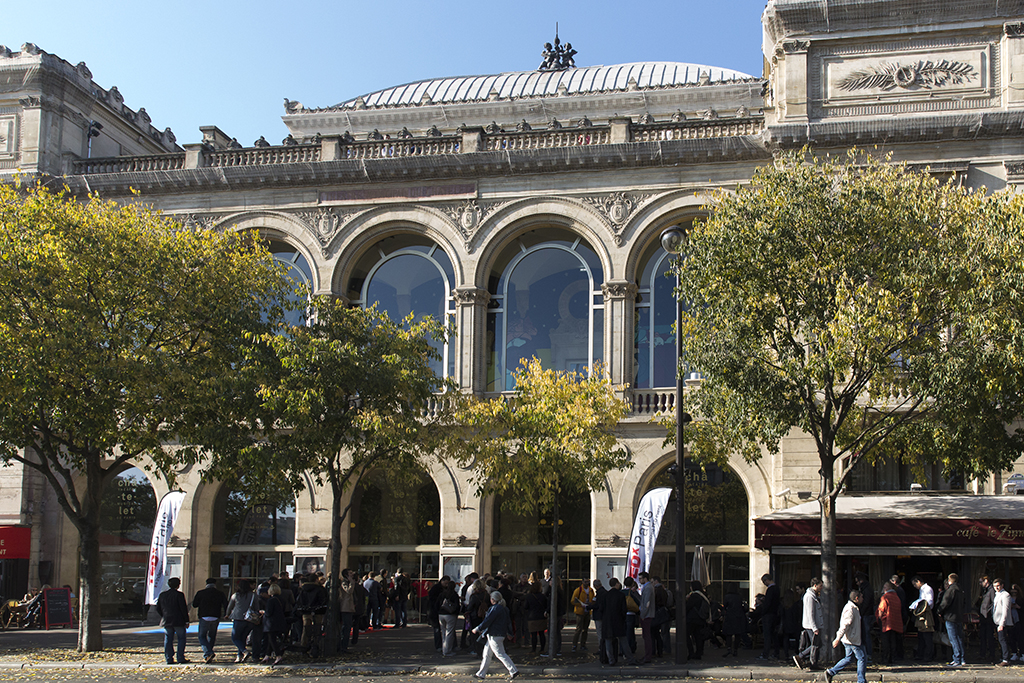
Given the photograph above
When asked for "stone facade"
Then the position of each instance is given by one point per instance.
(612, 166)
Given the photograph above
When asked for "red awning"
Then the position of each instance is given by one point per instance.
(954, 520)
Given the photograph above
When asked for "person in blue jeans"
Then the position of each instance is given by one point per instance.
(849, 634)
(951, 607)
(173, 611)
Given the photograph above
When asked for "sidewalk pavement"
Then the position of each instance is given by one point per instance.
(411, 650)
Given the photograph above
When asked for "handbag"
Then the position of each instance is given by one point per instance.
(253, 616)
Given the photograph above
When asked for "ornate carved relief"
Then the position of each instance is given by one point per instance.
(30, 101)
(619, 290)
(616, 208)
(922, 74)
(324, 224)
(1015, 30)
(196, 221)
(1014, 170)
(790, 47)
(468, 215)
(471, 296)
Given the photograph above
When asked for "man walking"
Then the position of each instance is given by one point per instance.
(813, 624)
(173, 611)
(210, 604)
(849, 634)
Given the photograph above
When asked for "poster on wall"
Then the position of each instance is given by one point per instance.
(309, 565)
(607, 567)
(457, 568)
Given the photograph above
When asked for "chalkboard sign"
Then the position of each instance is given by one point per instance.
(57, 607)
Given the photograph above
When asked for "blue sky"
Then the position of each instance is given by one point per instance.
(231, 64)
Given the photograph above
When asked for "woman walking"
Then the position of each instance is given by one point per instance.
(243, 602)
(275, 624)
(495, 627)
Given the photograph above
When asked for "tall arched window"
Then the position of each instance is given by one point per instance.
(298, 270)
(409, 274)
(546, 302)
(127, 515)
(655, 317)
(395, 522)
(252, 537)
(522, 542)
(717, 518)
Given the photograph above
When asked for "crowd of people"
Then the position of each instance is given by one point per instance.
(501, 610)
(937, 617)
(279, 615)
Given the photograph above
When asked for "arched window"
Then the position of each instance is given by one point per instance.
(252, 537)
(655, 317)
(522, 542)
(127, 515)
(298, 270)
(409, 274)
(546, 302)
(395, 522)
(717, 518)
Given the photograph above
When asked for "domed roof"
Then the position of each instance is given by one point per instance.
(518, 84)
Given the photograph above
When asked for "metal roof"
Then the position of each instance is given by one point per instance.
(546, 83)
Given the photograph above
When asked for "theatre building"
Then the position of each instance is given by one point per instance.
(526, 207)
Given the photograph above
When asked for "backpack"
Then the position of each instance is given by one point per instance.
(631, 605)
(449, 604)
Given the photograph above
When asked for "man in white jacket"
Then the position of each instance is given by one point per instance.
(849, 635)
(814, 627)
(1002, 615)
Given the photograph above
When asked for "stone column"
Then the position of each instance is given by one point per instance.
(790, 82)
(619, 307)
(471, 318)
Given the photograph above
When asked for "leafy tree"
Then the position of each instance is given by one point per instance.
(348, 392)
(556, 431)
(114, 325)
(856, 301)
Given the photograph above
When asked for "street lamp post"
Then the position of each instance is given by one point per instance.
(672, 240)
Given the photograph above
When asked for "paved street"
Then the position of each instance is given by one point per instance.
(394, 656)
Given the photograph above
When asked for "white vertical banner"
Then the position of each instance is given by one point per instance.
(156, 573)
(645, 530)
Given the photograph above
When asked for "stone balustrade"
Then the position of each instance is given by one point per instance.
(263, 156)
(653, 402)
(539, 139)
(691, 130)
(412, 147)
(126, 164)
(196, 156)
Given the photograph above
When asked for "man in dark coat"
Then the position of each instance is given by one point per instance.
(986, 639)
(173, 611)
(613, 627)
(209, 603)
(867, 613)
(768, 612)
(951, 608)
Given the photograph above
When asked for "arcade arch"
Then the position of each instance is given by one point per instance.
(127, 514)
(717, 519)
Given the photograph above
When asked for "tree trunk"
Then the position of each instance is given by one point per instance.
(90, 626)
(553, 607)
(829, 558)
(331, 624)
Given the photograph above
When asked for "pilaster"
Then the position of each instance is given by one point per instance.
(619, 305)
(1013, 64)
(471, 368)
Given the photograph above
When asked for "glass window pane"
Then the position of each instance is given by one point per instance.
(128, 510)
(548, 309)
